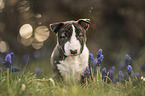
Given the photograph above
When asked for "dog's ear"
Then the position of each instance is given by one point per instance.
(55, 26)
(84, 23)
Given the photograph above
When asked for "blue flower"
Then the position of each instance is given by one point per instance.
(129, 69)
(91, 60)
(87, 72)
(90, 56)
(104, 73)
(38, 71)
(99, 53)
(111, 74)
(14, 69)
(137, 75)
(100, 59)
(120, 75)
(8, 60)
(127, 60)
(112, 68)
(126, 77)
(12, 53)
(129, 73)
(97, 62)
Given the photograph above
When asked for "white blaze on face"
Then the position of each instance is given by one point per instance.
(73, 44)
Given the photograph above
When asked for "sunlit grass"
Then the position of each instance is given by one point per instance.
(26, 83)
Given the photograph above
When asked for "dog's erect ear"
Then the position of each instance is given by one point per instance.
(55, 26)
(84, 23)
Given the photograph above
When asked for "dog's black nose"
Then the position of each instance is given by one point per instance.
(73, 51)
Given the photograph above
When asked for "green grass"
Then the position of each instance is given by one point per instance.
(26, 83)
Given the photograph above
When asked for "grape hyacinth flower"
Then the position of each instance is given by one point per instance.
(91, 60)
(127, 60)
(137, 75)
(38, 72)
(129, 69)
(14, 69)
(104, 73)
(87, 72)
(8, 60)
(99, 53)
(129, 73)
(111, 74)
(91, 63)
(98, 61)
(120, 76)
(126, 77)
(112, 68)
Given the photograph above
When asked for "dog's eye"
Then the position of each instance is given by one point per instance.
(80, 35)
(63, 35)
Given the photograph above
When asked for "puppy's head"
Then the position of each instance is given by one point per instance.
(71, 35)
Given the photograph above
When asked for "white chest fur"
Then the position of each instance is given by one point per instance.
(73, 66)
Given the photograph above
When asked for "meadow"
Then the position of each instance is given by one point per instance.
(116, 26)
(31, 82)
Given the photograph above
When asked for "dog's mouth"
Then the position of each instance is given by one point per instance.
(72, 54)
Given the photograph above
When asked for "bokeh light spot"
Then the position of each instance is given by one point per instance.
(26, 31)
(38, 15)
(37, 45)
(24, 6)
(26, 42)
(3, 46)
(41, 33)
(2, 5)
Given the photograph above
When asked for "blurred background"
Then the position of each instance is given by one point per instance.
(117, 27)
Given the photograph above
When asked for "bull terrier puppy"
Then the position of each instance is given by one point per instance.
(70, 56)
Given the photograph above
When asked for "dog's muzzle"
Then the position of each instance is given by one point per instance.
(73, 52)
